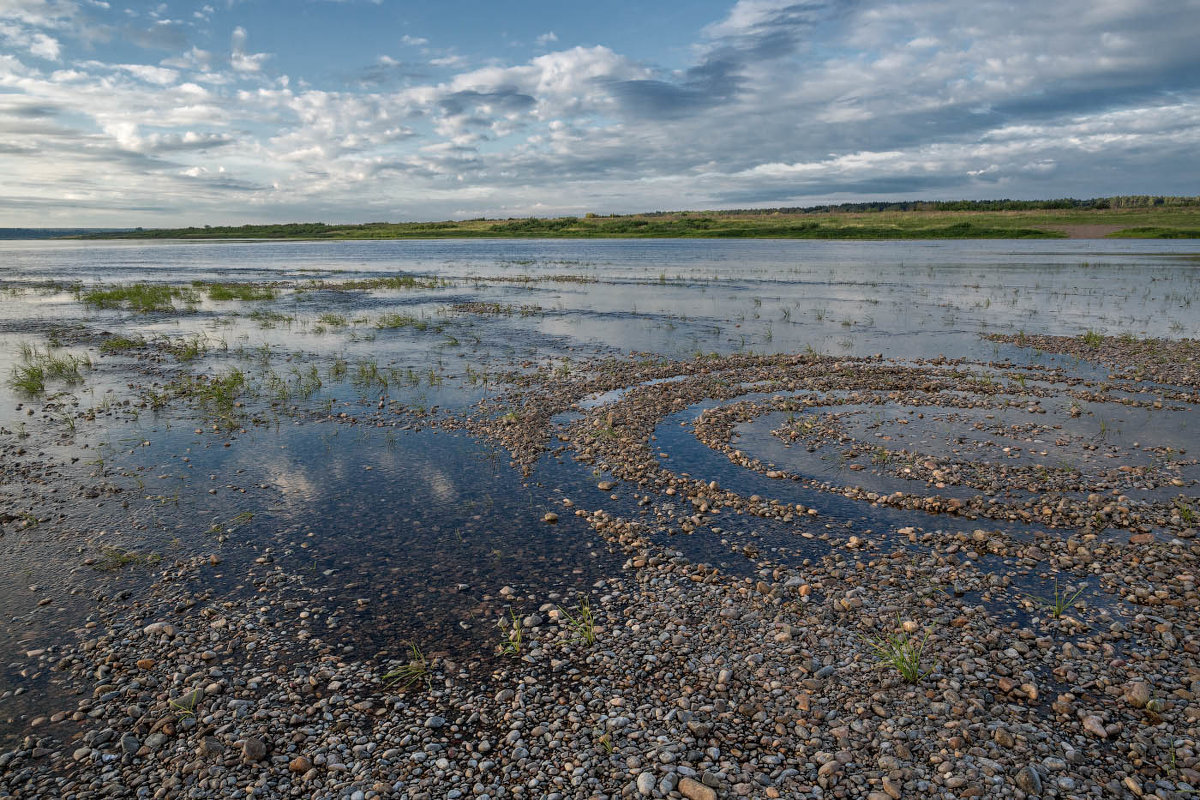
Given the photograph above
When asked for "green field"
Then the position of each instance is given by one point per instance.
(1150, 218)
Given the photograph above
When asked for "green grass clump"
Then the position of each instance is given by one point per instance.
(267, 318)
(188, 349)
(246, 292)
(120, 344)
(512, 635)
(28, 379)
(581, 623)
(141, 297)
(1092, 338)
(39, 366)
(900, 652)
(392, 321)
(1062, 601)
(115, 558)
(1156, 232)
(414, 672)
(332, 320)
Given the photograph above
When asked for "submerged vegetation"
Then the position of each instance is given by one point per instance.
(36, 367)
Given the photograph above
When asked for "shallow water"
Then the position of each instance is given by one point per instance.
(417, 530)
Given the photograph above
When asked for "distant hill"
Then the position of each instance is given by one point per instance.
(55, 233)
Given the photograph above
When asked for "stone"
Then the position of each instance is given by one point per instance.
(1095, 726)
(1137, 694)
(253, 749)
(645, 784)
(210, 747)
(694, 790)
(435, 722)
(1003, 737)
(1028, 781)
(300, 764)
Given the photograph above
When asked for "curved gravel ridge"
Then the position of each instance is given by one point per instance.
(699, 684)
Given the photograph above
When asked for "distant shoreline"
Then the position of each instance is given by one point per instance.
(1140, 217)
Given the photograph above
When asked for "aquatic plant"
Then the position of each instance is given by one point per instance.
(40, 366)
(28, 378)
(115, 558)
(236, 291)
(119, 344)
(1060, 602)
(141, 297)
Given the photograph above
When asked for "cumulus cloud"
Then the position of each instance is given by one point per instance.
(239, 59)
(780, 102)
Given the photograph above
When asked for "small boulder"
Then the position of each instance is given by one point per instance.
(253, 749)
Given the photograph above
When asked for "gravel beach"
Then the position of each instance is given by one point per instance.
(1059, 661)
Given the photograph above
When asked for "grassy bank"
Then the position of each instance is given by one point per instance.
(919, 223)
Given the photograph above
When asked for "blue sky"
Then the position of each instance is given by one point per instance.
(253, 111)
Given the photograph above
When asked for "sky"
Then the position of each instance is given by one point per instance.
(237, 111)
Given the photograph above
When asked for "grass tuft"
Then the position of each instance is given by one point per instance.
(582, 624)
(141, 297)
(115, 558)
(512, 641)
(900, 651)
(414, 672)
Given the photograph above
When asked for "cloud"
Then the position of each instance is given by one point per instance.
(239, 59)
(779, 102)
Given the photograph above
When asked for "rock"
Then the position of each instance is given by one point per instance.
(694, 790)
(130, 744)
(186, 703)
(210, 747)
(146, 663)
(160, 629)
(300, 764)
(1095, 726)
(253, 749)
(81, 753)
(1028, 781)
(645, 783)
(1137, 694)
(550, 517)
(435, 722)
(1002, 737)
(156, 740)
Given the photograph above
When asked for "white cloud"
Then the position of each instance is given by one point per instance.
(784, 102)
(239, 59)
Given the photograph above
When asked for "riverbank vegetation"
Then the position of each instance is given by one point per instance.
(1127, 217)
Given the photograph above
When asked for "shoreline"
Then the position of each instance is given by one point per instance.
(701, 683)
